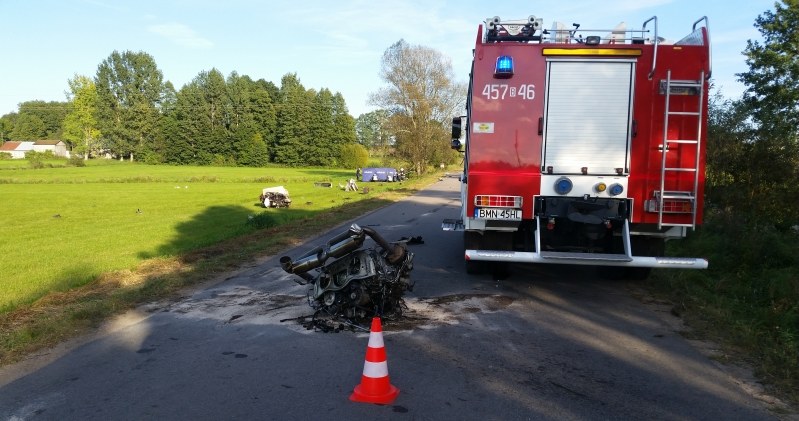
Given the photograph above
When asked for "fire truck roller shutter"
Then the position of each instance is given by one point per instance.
(587, 115)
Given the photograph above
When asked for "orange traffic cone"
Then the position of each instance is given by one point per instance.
(375, 386)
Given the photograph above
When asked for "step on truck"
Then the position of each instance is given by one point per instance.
(582, 146)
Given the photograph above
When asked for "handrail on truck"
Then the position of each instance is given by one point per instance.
(657, 41)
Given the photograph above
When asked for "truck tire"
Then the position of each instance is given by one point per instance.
(475, 267)
(496, 240)
(472, 240)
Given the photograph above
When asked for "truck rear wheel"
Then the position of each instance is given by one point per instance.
(488, 240)
(472, 241)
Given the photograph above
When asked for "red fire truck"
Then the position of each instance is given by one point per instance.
(582, 146)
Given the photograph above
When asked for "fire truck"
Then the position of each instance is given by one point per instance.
(582, 146)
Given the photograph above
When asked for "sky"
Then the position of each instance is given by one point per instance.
(329, 44)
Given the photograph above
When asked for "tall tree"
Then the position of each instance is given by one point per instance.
(217, 113)
(343, 122)
(248, 101)
(6, 125)
(344, 139)
(39, 120)
(199, 114)
(772, 81)
(158, 151)
(184, 130)
(252, 151)
(421, 97)
(80, 124)
(371, 130)
(264, 114)
(239, 91)
(320, 148)
(772, 99)
(293, 131)
(130, 90)
(28, 127)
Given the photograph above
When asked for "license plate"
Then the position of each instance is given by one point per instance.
(499, 213)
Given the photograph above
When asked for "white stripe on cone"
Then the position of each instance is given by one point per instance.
(375, 370)
(376, 340)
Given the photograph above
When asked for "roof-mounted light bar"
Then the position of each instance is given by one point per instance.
(616, 52)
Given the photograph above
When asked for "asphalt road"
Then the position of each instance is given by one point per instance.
(549, 342)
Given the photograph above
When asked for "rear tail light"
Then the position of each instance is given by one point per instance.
(673, 202)
(497, 201)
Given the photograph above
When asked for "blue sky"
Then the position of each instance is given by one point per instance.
(332, 44)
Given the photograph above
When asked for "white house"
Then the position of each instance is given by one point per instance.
(19, 149)
(58, 147)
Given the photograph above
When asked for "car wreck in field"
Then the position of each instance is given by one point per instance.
(275, 197)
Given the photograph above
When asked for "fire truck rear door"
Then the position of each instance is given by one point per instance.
(587, 115)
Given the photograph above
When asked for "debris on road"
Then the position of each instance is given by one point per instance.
(355, 284)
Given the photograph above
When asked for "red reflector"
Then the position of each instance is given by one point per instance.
(498, 201)
(670, 206)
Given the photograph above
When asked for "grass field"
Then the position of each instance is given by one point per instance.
(64, 226)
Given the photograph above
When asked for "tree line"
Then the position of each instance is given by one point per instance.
(128, 111)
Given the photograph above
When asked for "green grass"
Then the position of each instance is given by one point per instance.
(75, 250)
(748, 299)
(63, 227)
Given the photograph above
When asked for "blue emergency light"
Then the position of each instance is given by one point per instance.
(504, 67)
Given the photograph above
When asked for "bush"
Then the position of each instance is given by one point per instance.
(353, 155)
(76, 161)
(151, 158)
(40, 156)
(35, 159)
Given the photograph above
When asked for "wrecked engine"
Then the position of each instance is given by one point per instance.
(356, 284)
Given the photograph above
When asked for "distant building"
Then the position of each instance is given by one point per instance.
(58, 147)
(19, 149)
(9, 147)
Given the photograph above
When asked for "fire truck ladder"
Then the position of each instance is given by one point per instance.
(672, 86)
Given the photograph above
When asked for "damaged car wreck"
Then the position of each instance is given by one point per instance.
(275, 197)
(353, 284)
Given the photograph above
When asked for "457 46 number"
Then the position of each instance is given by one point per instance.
(502, 91)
